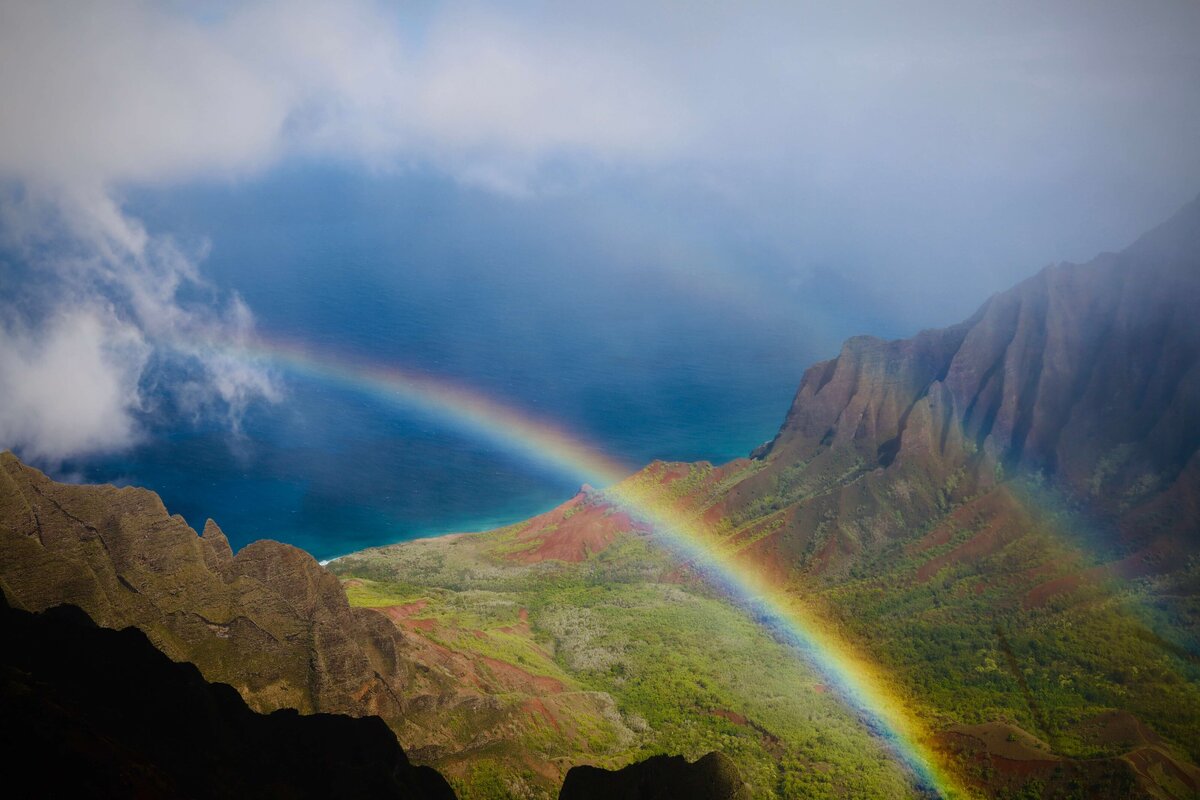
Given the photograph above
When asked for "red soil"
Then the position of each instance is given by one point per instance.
(1147, 761)
(997, 531)
(519, 680)
(522, 626)
(402, 615)
(534, 705)
(1150, 561)
(572, 532)
(732, 716)
(405, 610)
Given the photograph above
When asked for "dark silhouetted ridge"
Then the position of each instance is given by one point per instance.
(92, 712)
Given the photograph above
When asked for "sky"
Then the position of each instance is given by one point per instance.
(811, 169)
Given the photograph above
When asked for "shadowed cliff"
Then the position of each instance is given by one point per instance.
(713, 777)
(94, 712)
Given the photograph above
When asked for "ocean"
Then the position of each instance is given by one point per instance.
(650, 342)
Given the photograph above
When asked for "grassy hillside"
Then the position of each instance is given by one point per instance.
(609, 660)
(1045, 675)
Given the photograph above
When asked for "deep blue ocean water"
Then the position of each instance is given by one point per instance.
(629, 325)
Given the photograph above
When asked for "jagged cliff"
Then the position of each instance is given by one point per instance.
(102, 713)
(1085, 376)
(270, 622)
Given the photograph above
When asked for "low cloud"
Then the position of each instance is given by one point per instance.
(70, 386)
(96, 333)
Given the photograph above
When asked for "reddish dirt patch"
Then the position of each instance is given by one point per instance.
(1039, 595)
(479, 634)
(1147, 761)
(1006, 741)
(669, 473)
(518, 679)
(522, 627)
(1150, 561)
(988, 745)
(402, 615)
(995, 519)
(732, 716)
(1118, 729)
(827, 555)
(995, 533)
(777, 521)
(405, 610)
(820, 688)
(579, 528)
(534, 705)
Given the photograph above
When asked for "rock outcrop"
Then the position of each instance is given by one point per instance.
(1084, 376)
(269, 621)
(90, 712)
(713, 777)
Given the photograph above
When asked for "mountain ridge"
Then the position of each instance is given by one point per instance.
(1075, 366)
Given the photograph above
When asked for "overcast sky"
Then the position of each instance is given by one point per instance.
(929, 152)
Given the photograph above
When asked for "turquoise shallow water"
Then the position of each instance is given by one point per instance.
(526, 301)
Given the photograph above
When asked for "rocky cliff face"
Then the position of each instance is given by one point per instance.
(1086, 376)
(270, 621)
(101, 713)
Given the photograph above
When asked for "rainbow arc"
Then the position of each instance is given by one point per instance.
(856, 680)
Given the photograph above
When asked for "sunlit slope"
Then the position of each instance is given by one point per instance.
(603, 660)
(1002, 517)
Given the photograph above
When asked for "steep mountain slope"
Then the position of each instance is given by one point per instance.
(102, 713)
(1087, 375)
(1004, 515)
(269, 622)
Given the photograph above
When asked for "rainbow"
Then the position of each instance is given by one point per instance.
(858, 684)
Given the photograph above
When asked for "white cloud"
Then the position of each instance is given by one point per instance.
(70, 387)
(99, 307)
(128, 91)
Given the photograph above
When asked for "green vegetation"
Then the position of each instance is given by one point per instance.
(678, 670)
(634, 660)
